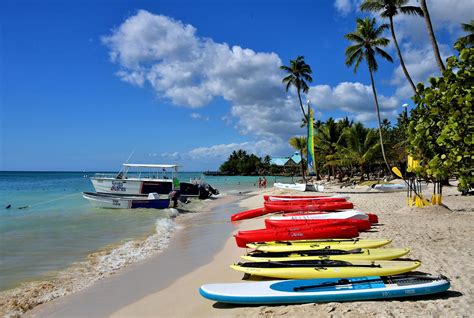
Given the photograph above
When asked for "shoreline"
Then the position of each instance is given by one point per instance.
(103, 263)
(180, 298)
(139, 276)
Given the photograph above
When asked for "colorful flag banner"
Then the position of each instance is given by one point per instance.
(310, 151)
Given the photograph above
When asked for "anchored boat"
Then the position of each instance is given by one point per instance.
(143, 179)
(104, 200)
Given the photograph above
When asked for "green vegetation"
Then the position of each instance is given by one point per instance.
(440, 133)
(299, 143)
(242, 163)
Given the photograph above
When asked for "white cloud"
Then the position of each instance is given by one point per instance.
(222, 151)
(344, 7)
(354, 98)
(198, 116)
(191, 71)
(171, 155)
(421, 65)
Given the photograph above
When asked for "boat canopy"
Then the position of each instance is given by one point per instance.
(149, 165)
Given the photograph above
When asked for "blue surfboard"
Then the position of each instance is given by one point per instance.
(325, 290)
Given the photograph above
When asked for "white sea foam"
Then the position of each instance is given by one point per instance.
(15, 302)
(134, 251)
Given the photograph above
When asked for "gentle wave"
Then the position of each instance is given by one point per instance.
(98, 265)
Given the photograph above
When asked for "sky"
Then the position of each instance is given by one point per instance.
(86, 84)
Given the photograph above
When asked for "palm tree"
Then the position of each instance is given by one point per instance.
(327, 138)
(468, 28)
(429, 26)
(389, 9)
(368, 42)
(361, 148)
(299, 144)
(299, 73)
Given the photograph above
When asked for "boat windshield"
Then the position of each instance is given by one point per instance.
(162, 172)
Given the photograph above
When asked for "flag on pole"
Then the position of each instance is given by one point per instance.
(310, 151)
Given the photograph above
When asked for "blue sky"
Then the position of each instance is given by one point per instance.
(85, 83)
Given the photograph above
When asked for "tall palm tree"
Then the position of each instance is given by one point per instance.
(429, 26)
(299, 73)
(469, 29)
(299, 143)
(389, 9)
(368, 43)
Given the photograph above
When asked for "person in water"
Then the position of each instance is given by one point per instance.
(264, 183)
(174, 196)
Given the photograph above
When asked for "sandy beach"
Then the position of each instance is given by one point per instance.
(441, 238)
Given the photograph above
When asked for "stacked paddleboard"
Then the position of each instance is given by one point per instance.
(310, 246)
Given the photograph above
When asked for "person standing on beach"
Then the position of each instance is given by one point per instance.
(264, 183)
(259, 182)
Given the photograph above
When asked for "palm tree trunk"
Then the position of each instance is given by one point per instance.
(426, 15)
(402, 63)
(378, 119)
(302, 167)
(302, 108)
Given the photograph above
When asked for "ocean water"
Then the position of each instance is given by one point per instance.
(50, 226)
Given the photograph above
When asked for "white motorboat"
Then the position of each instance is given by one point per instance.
(299, 186)
(142, 180)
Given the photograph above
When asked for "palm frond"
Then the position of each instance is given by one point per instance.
(354, 37)
(372, 5)
(383, 54)
(411, 10)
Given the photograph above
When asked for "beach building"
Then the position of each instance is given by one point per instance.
(287, 164)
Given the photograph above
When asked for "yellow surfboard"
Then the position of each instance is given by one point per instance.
(332, 254)
(325, 268)
(306, 245)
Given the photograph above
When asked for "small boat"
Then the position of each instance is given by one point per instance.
(326, 289)
(393, 187)
(299, 186)
(142, 179)
(110, 201)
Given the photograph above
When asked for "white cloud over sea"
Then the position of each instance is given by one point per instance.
(190, 71)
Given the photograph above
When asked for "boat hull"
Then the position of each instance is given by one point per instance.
(131, 186)
(123, 202)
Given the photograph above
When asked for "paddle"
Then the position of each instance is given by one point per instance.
(317, 264)
(345, 281)
(398, 173)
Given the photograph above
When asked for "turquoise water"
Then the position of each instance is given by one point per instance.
(58, 227)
